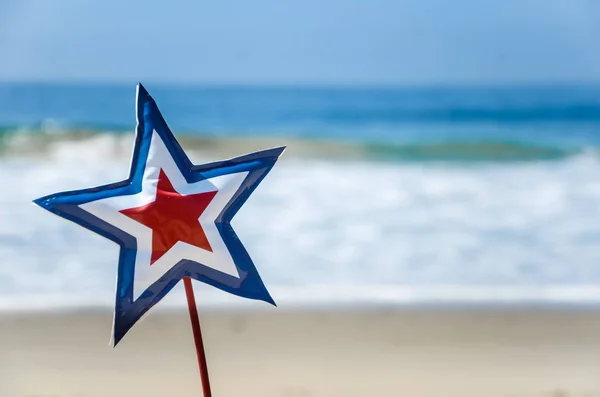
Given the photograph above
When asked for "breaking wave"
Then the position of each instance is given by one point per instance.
(20, 142)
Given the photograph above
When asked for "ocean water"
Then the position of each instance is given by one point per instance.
(385, 195)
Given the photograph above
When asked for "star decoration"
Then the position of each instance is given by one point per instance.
(171, 219)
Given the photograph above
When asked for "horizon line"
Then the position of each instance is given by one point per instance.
(299, 84)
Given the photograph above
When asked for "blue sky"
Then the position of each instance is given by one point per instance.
(296, 42)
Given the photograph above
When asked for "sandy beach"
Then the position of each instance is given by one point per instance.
(514, 352)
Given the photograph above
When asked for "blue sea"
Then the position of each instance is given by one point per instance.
(385, 195)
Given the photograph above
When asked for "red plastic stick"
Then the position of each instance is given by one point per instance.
(189, 293)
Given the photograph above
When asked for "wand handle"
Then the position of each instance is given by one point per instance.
(189, 293)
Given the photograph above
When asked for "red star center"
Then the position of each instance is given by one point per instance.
(172, 218)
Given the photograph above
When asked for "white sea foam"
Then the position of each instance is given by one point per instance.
(334, 231)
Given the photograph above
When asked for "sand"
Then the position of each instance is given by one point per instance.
(513, 352)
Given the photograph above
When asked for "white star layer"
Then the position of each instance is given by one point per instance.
(145, 274)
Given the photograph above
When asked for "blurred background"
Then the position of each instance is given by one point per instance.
(437, 151)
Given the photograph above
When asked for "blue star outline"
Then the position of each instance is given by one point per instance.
(127, 310)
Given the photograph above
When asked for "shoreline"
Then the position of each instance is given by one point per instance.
(326, 297)
(322, 307)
